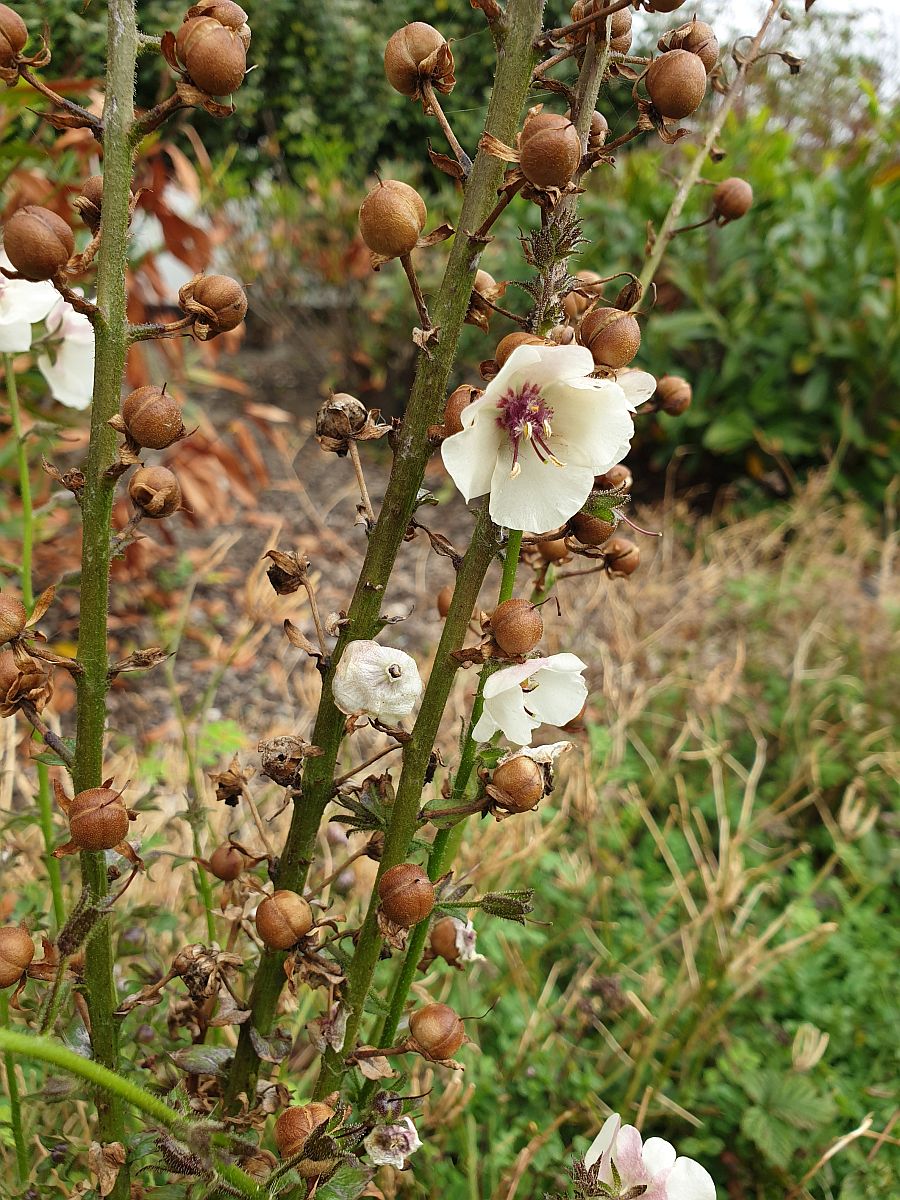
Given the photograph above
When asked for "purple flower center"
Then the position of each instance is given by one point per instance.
(525, 416)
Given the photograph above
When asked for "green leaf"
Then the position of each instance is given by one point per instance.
(347, 1183)
(769, 1134)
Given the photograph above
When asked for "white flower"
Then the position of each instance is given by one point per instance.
(377, 680)
(544, 756)
(392, 1144)
(466, 941)
(21, 304)
(70, 369)
(653, 1165)
(519, 699)
(541, 432)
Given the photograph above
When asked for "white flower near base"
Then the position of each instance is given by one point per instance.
(540, 433)
(376, 680)
(69, 367)
(22, 304)
(541, 691)
(653, 1165)
(392, 1144)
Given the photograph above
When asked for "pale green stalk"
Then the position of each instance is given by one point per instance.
(12, 1092)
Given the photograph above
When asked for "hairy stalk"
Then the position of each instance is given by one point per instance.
(692, 175)
(515, 63)
(110, 329)
(45, 803)
(404, 821)
(23, 1167)
(25, 1045)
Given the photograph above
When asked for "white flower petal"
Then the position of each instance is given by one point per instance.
(505, 713)
(688, 1180)
(627, 1155)
(604, 1139)
(545, 365)
(471, 456)
(659, 1155)
(638, 386)
(15, 337)
(541, 497)
(71, 374)
(521, 357)
(544, 755)
(558, 697)
(592, 427)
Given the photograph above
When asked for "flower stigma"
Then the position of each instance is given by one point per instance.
(525, 416)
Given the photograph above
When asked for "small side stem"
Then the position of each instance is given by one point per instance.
(433, 108)
(23, 1166)
(90, 121)
(421, 306)
(367, 505)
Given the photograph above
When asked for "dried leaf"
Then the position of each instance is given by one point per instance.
(203, 1060)
(446, 163)
(424, 337)
(105, 1161)
(299, 639)
(436, 236)
(376, 1067)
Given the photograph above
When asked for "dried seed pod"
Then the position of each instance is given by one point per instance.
(612, 336)
(674, 395)
(676, 83)
(443, 939)
(282, 919)
(391, 218)
(155, 491)
(406, 894)
(437, 1030)
(664, 6)
(549, 150)
(89, 202)
(616, 479)
(152, 417)
(591, 530)
(513, 341)
(520, 783)
(553, 550)
(37, 242)
(444, 597)
(22, 678)
(459, 399)
(598, 132)
(13, 36)
(226, 12)
(226, 862)
(574, 304)
(13, 617)
(732, 199)
(217, 303)
(338, 419)
(98, 819)
(9, 672)
(620, 27)
(517, 626)
(295, 1125)
(214, 55)
(16, 953)
(406, 52)
(623, 557)
(697, 37)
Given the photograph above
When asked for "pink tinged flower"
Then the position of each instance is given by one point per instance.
(22, 304)
(69, 367)
(392, 1144)
(519, 699)
(653, 1165)
(540, 433)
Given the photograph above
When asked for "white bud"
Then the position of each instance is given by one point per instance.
(377, 680)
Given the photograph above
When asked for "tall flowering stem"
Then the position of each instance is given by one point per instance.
(515, 62)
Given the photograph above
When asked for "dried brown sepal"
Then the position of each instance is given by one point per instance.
(155, 492)
(72, 480)
(139, 660)
(486, 291)
(283, 758)
(230, 783)
(343, 419)
(22, 679)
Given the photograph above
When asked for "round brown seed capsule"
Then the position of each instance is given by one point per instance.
(618, 478)
(282, 919)
(438, 1030)
(591, 530)
(226, 12)
(405, 52)
(152, 417)
(391, 218)
(16, 954)
(295, 1125)
(553, 550)
(574, 304)
(13, 36)
(517, 626)
(459, 399)
(213, 54)
(549, 153)
(612, 336)
(98, 819)
(520, 780)
(9, 673)
(622, 556)
(226, 862)
(674, 395)
(676, 83)
(443, 939)
(696, 36)
(13, 617)
(406, 894)
(155, 491)
(620, 26)
(221, 299)
(732, 199)
(513, 341)
(444, 597)
(664, 6)
(37, 242)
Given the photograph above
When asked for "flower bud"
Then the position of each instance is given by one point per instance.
(622, 556)
(517, 626)
(616, 479)
(697, 37)
(591, 530)
(513, 341)
(295, 1125)
(620, 27)
(549, 150)
(98, 819)
(37, 242)
(226, 862)
(612, 336)
(13, 617)
(437, 1030)
(152, 417)
(217, 303)
(155, 491)
(676, 83)
(574, 304)
(16, 949)
(283, 919)
(391, 218)
(213, 54)
(674, 395)
(406, 56)
(518, 783)
(13, 36)
(444, 597)
(406, 894)
(338, 419)
(732, 199)
(459, 399)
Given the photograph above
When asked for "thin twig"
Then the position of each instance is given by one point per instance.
(342, 779)
(91, 122)
(55, 743)
(361, 480)
(421, 308)
(506, 196)
(562, 31)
